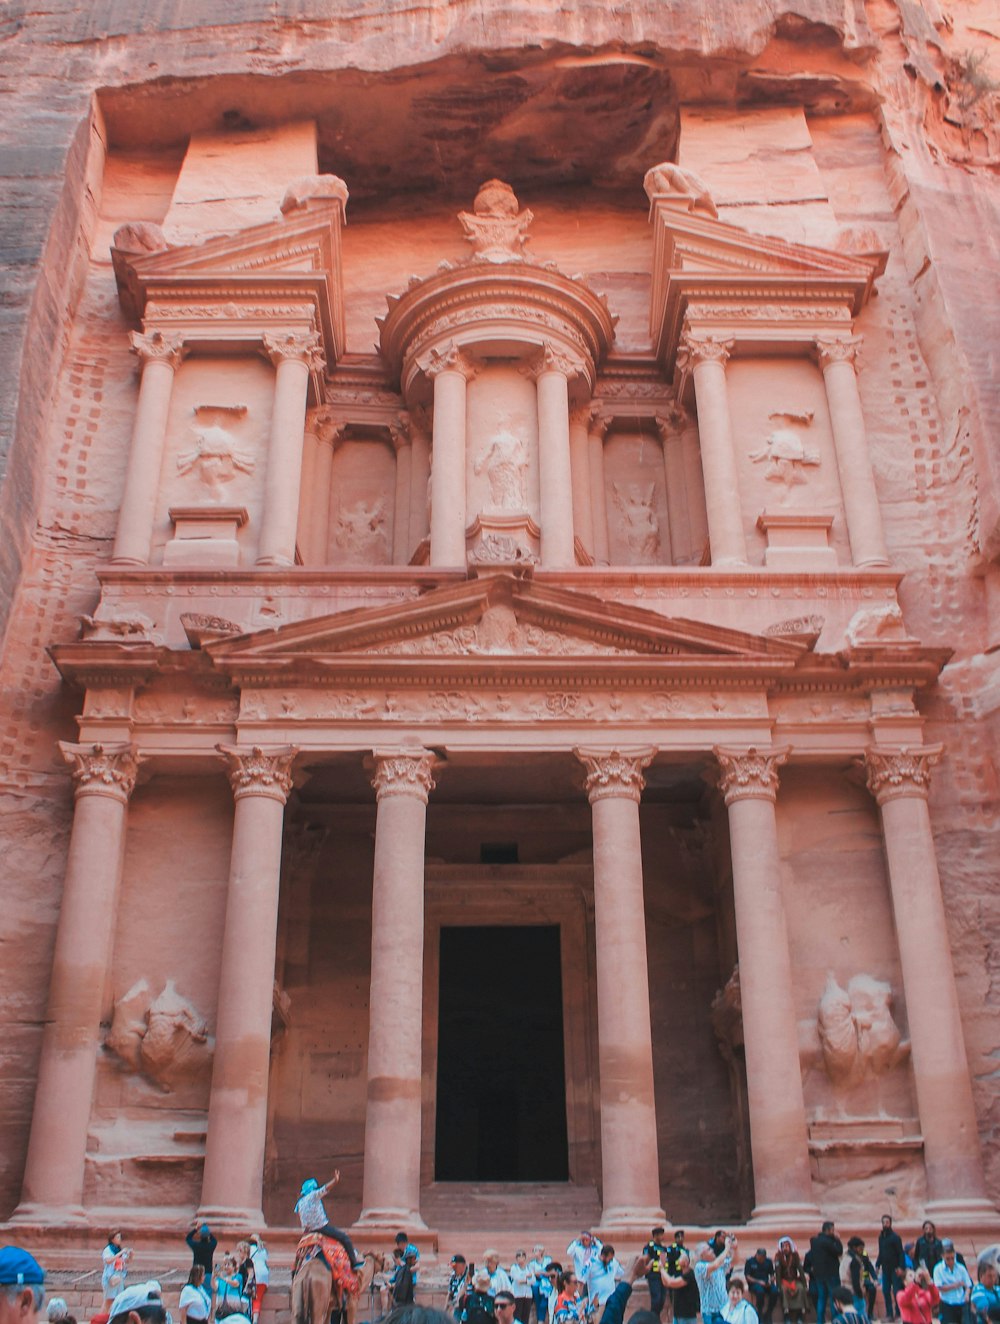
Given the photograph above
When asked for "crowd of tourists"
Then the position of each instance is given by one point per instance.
(917, 1282)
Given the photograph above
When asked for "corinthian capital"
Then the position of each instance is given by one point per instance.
(155, 347)
(555, 360)
(838, 349)
(259, 771)
(698, 348)
(403, 772)
(445, 358)
(326, 426)
(896, 772)
(102, 769)
(615, 772)
(749, 774)
(299, 346)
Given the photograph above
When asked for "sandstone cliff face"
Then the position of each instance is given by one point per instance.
(803, 117)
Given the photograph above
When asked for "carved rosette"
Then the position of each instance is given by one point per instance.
(615, 773)
(697, 349)
(259, 771)
(295, 346)
(155, 347)
(102, 769)
(893, 773)
(838, 349)
(749, 774)
(403, 772)
(447, 358)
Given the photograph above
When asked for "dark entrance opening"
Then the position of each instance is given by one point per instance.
(501, 1087)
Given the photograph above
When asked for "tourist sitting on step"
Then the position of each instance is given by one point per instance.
(313, 1217)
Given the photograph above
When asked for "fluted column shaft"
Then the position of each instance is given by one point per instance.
(675, 482)
(237, 1110)
(629, 1154)
(579, 456)
(420, 472)
(598, 494)
(448, 370)
(779, 1137)
(838, 359)
(328, 435)
(294, 356)
(401, 507)
(78, 989)
(391, 1195)
(707, 358)
(160, 357)
(899, 780)
(555, 477)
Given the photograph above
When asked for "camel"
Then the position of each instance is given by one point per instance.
(323, 1282)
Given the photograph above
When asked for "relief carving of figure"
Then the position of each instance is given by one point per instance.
(361, 529)
(164, 1037)
(495, 228)
(785, 457)
(857, 1033)
(640, 525)
(215, 454)
(505, 463)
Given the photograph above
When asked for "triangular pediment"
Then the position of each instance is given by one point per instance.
(500, 619)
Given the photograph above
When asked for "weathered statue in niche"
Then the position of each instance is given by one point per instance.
(165, 1037)
(361, 533)
(216, 455)
(857, 1033)
(505, 463)
(640, 525)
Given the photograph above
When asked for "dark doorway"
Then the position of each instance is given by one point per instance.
(501, 1087)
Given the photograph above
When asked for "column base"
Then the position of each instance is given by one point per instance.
(787, 1215)
(229, 1218)
(280, 562)
(399, 1220)
(964, 1216)
(31, 1214)
(630, 1221)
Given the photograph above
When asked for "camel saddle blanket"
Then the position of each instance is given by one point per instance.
(314, 1244)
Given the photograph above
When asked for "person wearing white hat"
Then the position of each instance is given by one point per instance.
(142, 1303)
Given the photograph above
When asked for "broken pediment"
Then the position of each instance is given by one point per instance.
(287, 271)
(501, 617)
(711, 276)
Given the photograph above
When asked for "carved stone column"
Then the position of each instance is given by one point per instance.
(555, 477)
(598, 495)
(899, 780)
(838, 359)
(79, 993)
(675, 481)
(449, 370)
(159, 356)
(420, 473)
(391, 1195)
(779, 1138)
(707, 358)
(329, 435)
(629, 1156)
(237, 1109)
(294, 356)
(579, 457)
(401, 508)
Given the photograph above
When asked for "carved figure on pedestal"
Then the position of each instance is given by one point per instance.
(216, 455)
(495, 228)
(505, 463)
(670, 178)
(361, 532)
(857, 1033)
(640, 526)
(164, 1037)
(785, 457)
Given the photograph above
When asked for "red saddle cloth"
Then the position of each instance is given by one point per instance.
(313, 1244)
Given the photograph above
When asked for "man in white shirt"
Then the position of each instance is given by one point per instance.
(603, 1277)
(953, 1282)
(499, 1278)
(583, 1251)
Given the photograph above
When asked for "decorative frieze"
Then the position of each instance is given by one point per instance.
(749, 774)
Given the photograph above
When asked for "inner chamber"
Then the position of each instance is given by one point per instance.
(510, 1047)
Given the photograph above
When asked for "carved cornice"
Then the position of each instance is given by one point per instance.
(838, 349)
(297, 346)
(893, 773)
(102, 769)
(155, 347)
(403, 772)
(615, 773)
(749, 774)
(259, 771)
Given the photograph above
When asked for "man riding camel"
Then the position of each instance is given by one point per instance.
(313, 1217)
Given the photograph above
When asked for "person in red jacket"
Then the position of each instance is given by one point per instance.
(918, 1298)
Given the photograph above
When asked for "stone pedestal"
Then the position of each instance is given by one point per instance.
(205, 536)
(797, 540)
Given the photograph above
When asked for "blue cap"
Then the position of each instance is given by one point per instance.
(310, 1185)
(18, 1267)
